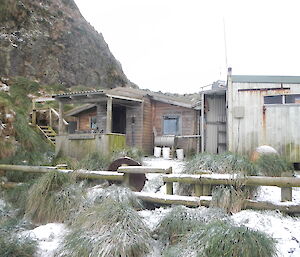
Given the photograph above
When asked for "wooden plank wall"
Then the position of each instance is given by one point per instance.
(83, 122)
(148, 139)
(134, 131)
(188, 123)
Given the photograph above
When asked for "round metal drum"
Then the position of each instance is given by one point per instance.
(136, 181)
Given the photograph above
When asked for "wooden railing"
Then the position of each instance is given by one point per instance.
(201, 182)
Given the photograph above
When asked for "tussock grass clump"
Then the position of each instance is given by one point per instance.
(13, 246)
(17, 197)
(181, 220)
(221, 238)
(273, 165)
(230, 163)
(72, 163)
(222, 163)
(108, 229)
(52, 198)
(94, 161)
(119, 194)
(229, 198)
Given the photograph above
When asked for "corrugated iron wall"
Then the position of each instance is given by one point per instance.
(215, 121)
(275, 125)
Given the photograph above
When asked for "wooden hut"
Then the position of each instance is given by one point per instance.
(109, 119)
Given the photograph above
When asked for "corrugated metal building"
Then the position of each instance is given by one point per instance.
(257, 110)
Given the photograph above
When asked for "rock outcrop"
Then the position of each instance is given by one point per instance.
(49, 41)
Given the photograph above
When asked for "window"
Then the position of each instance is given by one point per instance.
(292, 99)
(171, 125)
(93, 122)
(274, 99)
(282, 99)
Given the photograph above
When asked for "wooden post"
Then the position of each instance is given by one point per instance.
(169, 188)
(202, 123)
(206, 189)
(286, 192)
(33, 118)
(109, 115)
(126, 179)
(98, 117)
(50, 118)
(198, 189)
(60, 118)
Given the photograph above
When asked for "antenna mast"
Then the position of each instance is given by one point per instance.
(225, 44)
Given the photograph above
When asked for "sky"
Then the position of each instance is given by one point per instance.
(180, 46)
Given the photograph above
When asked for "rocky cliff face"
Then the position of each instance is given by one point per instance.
(49, 41)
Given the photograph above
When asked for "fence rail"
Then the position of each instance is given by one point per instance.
(201, 182)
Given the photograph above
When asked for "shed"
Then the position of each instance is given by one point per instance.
(251, 111)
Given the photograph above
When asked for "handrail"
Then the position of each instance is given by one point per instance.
(57, 115)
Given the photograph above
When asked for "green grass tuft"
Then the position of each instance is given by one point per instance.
(119, 194)
(12, 245)
(230, 198)
(52, 198)
(94, 161)
(221, 238)
(181, 220)
(223, 163)
(273, 165)
(108, 229)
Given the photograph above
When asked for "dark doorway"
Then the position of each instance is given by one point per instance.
(119, 119)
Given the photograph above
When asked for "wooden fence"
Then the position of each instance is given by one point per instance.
(202, 185)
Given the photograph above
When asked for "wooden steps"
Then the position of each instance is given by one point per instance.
(48, 132)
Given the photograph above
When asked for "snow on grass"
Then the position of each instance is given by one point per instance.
(154, 182)
(48, 236)
(152, 217)
(2, 204)
(284, 229)
(273, 194)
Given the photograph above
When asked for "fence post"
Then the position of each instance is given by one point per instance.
(169, 188)
(169, 185)
(206, 190)
(198, 189)
(286, 192)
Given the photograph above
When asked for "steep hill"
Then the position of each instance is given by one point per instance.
(50, 41)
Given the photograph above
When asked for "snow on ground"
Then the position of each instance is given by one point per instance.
(154, 182)
(153, 217)
(284, 229)
(48, 236)
(273, 194)
(2, 204)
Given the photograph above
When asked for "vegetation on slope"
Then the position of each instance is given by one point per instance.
(28, 146)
